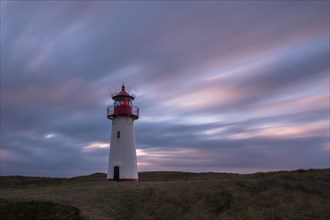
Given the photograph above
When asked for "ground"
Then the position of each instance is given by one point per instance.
(300, 194)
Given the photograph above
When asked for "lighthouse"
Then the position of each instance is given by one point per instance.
(122, 158)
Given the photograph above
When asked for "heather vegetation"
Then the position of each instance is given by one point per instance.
(301, 194)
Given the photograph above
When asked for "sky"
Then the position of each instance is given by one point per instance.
(222, 86)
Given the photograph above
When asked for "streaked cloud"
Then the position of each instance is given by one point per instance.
(319, 128)
(95, 145)
(222, 86)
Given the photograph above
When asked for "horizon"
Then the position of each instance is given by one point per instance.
(238, 87)
(155, 171)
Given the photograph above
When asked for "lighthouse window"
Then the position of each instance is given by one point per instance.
(122, 103)
(118, 134)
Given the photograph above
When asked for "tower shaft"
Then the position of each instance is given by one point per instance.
(122, 158)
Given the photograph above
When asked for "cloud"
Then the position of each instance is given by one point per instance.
(94, 146)
(221, 86)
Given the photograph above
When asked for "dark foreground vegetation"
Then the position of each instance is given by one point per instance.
(37, 210)
(300, 195)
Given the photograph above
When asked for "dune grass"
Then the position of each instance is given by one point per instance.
(301, 194)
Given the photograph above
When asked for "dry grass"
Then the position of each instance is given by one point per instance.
(302, 194)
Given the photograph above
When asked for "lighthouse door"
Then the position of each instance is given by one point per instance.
(116, 173)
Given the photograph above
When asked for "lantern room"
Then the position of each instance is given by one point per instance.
(123, 105)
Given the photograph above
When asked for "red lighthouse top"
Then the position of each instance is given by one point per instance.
(123, 106)
(123, 93)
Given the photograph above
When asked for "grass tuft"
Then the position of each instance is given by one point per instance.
(37, 210)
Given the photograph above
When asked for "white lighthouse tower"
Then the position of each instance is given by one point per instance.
(122, 158)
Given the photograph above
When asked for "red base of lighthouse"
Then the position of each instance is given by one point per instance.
(123, 180)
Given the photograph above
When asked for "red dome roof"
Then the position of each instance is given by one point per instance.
(123, 93)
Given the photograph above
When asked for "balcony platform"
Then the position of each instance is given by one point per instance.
(111, 114)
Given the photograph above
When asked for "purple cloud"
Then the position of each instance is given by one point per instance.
(222, 86)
